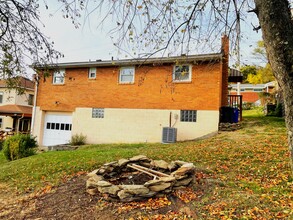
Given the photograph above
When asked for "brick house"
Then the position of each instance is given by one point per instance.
(16, 107)
(251, 93)
(131, 100)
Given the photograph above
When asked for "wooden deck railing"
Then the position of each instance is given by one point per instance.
(235, 101)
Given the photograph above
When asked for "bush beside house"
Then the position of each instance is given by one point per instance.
(19, 146)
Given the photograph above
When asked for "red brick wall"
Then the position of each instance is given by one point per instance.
(248, 96)
(153, 89)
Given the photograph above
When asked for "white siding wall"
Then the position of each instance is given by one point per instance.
(23, 99)
(10, 97)
(6, 122)
(140, 125)
(133, 125)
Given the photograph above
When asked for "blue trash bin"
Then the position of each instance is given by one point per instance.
(235, 115)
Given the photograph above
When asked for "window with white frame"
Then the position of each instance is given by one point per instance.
(58, 76)
(126, 75)
(182, 73)
(92, 73)
(98, 113)
(188, 115)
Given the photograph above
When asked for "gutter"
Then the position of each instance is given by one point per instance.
(35, 104)
(18, 122)
(139, 61)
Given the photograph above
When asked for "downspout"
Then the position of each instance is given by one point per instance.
(34, 106)
(18, 123)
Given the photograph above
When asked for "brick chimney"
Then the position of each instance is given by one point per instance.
(225, 70)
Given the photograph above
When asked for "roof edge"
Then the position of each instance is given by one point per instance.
(137, 61)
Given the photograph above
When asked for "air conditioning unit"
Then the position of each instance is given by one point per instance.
(169, 135)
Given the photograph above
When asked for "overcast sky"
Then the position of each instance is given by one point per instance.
(89, 43)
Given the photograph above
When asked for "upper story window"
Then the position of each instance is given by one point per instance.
(126, 75)
(58, 76)
(182, 73)
(30, 100)
(1, 97)
(92, 73)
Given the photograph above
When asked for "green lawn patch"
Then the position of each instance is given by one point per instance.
(252, 163)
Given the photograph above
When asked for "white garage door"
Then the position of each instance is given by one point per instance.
(57, 129)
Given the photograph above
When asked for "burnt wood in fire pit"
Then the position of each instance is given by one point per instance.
(139, 178)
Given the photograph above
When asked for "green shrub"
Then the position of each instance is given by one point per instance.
(247, 105)
(19, 146)
(78, 139)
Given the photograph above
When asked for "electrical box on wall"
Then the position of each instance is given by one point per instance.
(169, 135)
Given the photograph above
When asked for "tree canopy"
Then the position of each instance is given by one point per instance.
(258, 74)
(263, 75)
(21, 40)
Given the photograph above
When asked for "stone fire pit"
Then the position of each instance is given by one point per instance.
(139, 178)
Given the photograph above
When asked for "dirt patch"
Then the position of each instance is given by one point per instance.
(70, 201)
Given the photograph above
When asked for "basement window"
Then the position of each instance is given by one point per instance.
(98, 113)
(188, 115)
(182, 73)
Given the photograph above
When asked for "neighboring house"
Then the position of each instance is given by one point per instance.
(16, 108)
(131, 100)
(251, 93)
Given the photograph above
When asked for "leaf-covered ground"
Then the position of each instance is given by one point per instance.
(243, 174)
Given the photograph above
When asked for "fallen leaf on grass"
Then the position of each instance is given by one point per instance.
(186, 194)
(151, 204)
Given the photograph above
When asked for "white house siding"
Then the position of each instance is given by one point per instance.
(23, 99)
(140, 125)
(132, 125)
(8, 96)
(7, 122)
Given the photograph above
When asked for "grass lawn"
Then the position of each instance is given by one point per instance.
(252, 163)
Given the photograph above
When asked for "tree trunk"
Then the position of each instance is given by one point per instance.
(277, 29)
